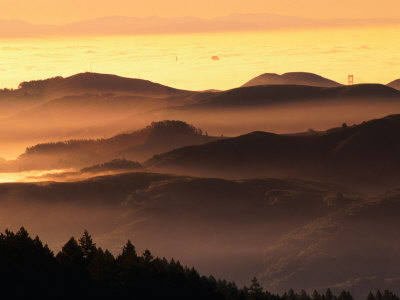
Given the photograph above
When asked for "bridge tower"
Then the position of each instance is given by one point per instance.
(350, 80)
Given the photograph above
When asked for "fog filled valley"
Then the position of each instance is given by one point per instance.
(90, 105)
(291, 178)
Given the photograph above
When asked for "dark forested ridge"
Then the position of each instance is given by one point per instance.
(137, 145)
(81, 270)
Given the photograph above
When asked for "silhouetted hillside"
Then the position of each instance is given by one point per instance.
(395, 84)
(97, 105)
(292, 78)
(220, 226)
(85, 97)
(82, 270)
(113, 165)
(264, 95)
(357, 241)
(98, 83)
(36, 92)
(309, 235)
(138, 145)
(365, 155)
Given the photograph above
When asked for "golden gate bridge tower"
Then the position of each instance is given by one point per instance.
(350, 80)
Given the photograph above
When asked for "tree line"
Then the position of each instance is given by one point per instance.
(120, 140)
(81, 270)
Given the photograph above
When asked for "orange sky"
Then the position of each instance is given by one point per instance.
(64, 11)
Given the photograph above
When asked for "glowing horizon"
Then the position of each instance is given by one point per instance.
(368, 53)
(331, 41)
(61, 12)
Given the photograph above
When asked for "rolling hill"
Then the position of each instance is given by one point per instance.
(138, 145)
(354, 248)
(90, 105)
(41, 100)
(395, 84)
(37, 92)
(267, 95)
(292, 78)
(96, 83)
(364, 155)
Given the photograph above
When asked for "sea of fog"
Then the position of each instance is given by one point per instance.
(185, 61)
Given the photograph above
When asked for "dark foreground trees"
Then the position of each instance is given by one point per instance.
(81, 270)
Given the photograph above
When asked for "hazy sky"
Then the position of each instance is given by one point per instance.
(63, 11)
(372, 54)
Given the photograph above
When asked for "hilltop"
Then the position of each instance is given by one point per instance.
(95, 82)
(34, 97)
(292, 78)
(138, 145)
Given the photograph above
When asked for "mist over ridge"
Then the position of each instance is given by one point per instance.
(272, 180)
(256, 142)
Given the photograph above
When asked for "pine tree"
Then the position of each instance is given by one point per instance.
(387, 295)
(71, 254)
(87, 246)
(148, 257)
(128, 257)
(291, 295)
(303, 295)
(378, 295)
(329, 295)
(255, 291)
(129, 250)
(345, 296)
(371, 296)
(315, 295)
